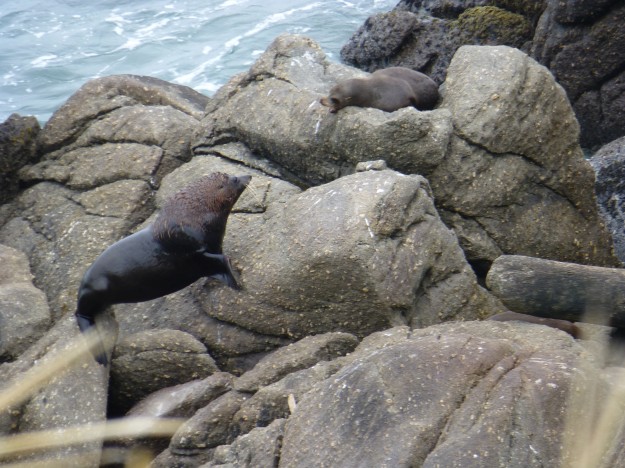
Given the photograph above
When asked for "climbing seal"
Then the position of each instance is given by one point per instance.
(181, 246)
(388, 89)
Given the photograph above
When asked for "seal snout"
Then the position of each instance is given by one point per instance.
(243, 180)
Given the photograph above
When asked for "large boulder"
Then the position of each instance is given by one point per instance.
(515, 168)
(453, 395)
(359, 254)
(459, 395)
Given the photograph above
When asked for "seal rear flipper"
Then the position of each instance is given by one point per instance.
(88, 327)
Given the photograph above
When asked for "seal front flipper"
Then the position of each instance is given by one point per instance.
(225, 274)
(89, 329)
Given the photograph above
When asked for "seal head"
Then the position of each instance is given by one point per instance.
(183, 245)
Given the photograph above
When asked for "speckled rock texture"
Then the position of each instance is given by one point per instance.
(359, 234)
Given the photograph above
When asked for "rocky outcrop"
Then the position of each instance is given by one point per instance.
(398, 415)
(343, 256)
(578, 40)
(500, 152)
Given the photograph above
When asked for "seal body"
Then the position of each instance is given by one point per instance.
(564, 325)
(183, 245)
(388, 89)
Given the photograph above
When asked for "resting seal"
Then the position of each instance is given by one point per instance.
(183, 245)
(564, 325)
(388, 89)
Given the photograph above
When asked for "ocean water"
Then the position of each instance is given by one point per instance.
(50, 48)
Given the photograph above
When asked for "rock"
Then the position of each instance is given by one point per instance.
(609, 166)
(357, 255)
(259, 448)
(182, 401)
(567, 291)
(300, 355)
(427, 43)
(578, 40)
(73, 397)
(280, 94)
(271, 402)
(501, 181)
(18, 147)
(483, 173)
(454, 395)
(103, 153)
(179, 401)
(194, 443)
(103, 96)
(581, 46)
(24, 311)
(152, 360)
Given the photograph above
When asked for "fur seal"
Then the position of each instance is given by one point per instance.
(181, 246)
(388, 89)
(564, 325)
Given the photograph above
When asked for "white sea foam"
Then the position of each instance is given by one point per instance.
(43, 61)
(193, 42)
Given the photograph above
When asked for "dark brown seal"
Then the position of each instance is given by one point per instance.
(183, 245)
(388, 89)
(564, 325)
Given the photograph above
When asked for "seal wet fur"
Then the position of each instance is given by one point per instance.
(183, 245)
(388, 89)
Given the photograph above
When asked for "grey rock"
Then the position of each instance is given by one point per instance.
(515, 162)
(578, 40)
(456, 395)
(359, 254)
(545, 288)
(300, 355)
(208, 428)
(101, 96)
(584, 54)
(427, 43)
(103, 153)
(609, 166)
(259, 448)
(24, 311)
(18, 147)
(76, 396)
(271, 402)
(500, 131)
(285, 85)
(183, 400)
(152, 360)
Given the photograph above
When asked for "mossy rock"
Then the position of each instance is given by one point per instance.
(493, 25)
